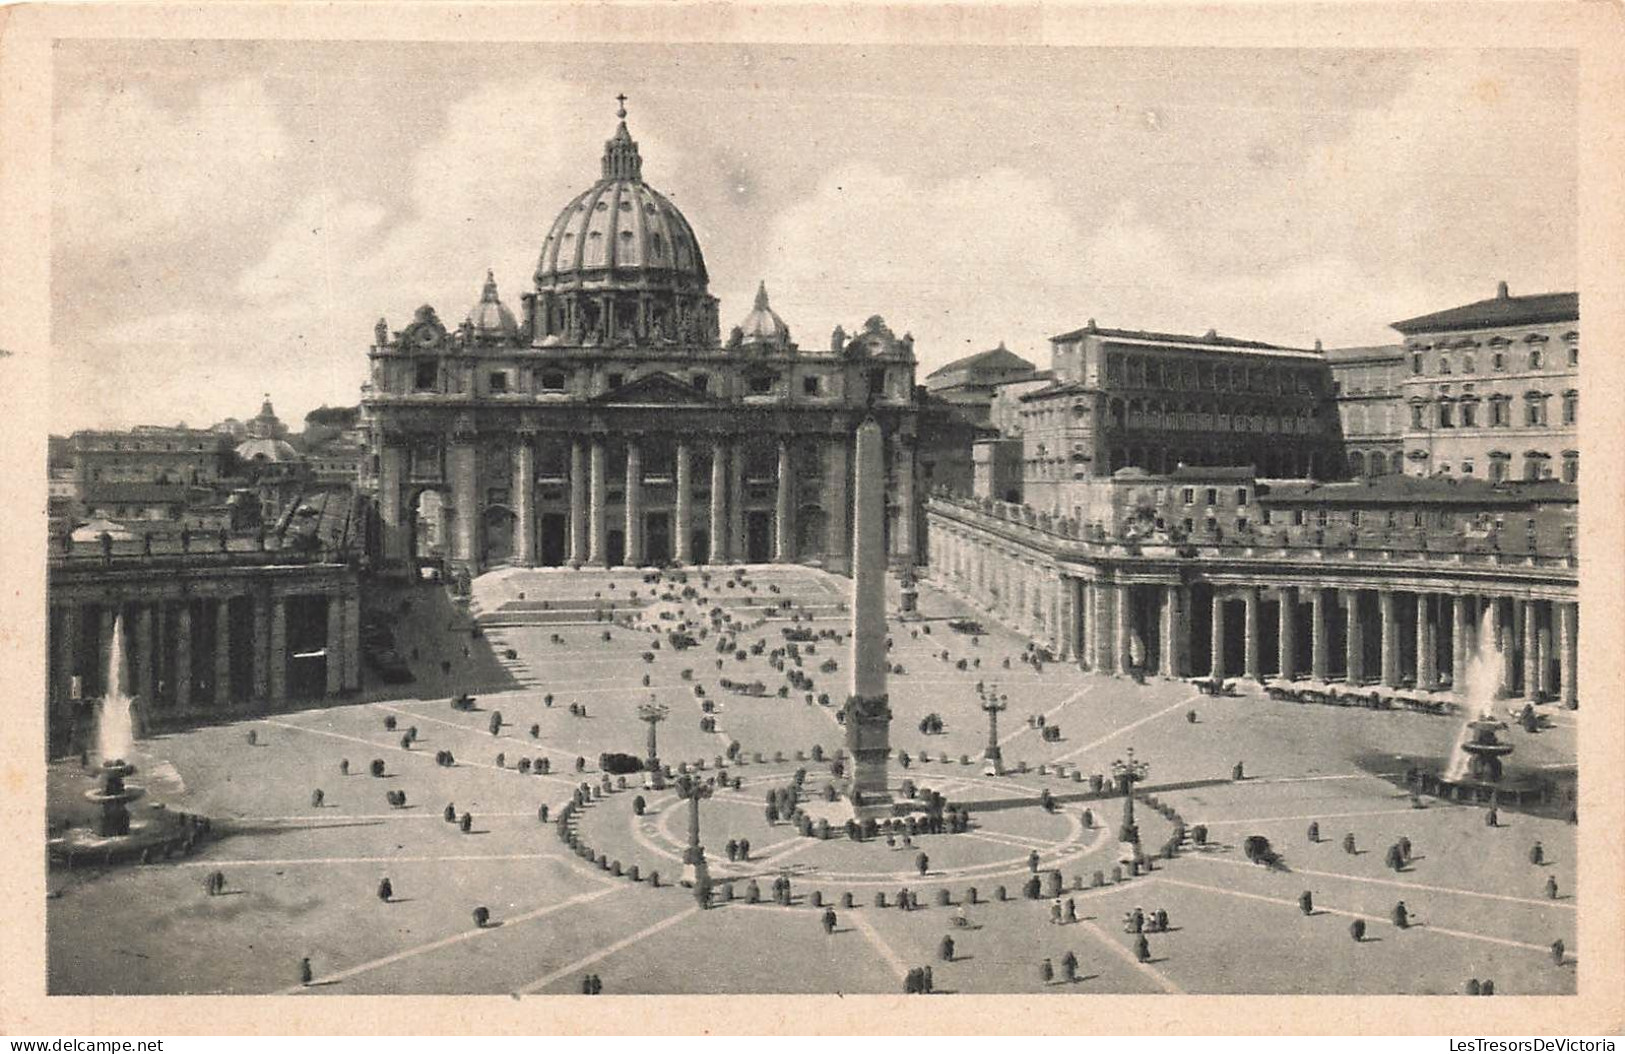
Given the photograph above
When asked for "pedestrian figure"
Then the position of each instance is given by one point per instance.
(1032, 861)
(1395, 859)
(829, 921)
(1348, 843)
(1046, 971)
(1557, 953)
(923, 863)
(1236, 773)
(1551, 887)
(586, 984)
(1162, 921)
(1069, 967)
(305, 974)
(316, 798)
(467, 822)
(1142, 949)
(385, 890)
(344, 766)
(1306, 902)
(1137, 920)
(1405, 848)
(945, 950)
(1402, 917)
(1055, 913)
(450, 813)
(1473, 987)
(1537, 855)
(1487, 988)
(1357, 929)
(1492, 818)
(1314, 832)
(1071, 909)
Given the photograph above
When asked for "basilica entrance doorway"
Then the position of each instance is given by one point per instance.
(555, 534)
(657, 539)
(759, 537)
(498, 524)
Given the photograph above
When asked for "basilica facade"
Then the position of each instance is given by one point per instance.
(610, 424)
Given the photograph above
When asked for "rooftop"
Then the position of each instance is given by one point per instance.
(1502, 309)
(1370, 351)
(1431, 490)
(1211, 337)
(999, 358)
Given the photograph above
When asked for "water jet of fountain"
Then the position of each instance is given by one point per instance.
(1480, 686)
(115, 729)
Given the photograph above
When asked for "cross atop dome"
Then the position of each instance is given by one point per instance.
(621, 110)
(621, 160)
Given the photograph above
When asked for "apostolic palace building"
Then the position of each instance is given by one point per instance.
(609, 423)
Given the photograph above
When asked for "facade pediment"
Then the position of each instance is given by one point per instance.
(660, 389)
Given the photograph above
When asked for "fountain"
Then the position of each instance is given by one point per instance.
(115, 743)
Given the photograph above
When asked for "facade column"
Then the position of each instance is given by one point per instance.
(1086, 623)
(278, 656)
(1569, 653)
(524, 500)
(104, 636)
(262, 647)
(352, 642)
(683, 543)
(1501, 645)
(902, 538)
(1548, 644)
(1066, 619)
(1216, 638)
(1319, 644)
(1426, 659)
(836, 503)
(597, 511)
(183, 656)
(1531, 651)
(1458, 642)
(1387, 604)
(633, 502)
(465, 496)
(1105, 606)
(67, 654)
(222, 653)
(1354, 659)
(397, 532)
(784, 539)
(578, 503)
(719, 503)
(1252, 660)
(335, 644)
(1286, 657)
(738, 543)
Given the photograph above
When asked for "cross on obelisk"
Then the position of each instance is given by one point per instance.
(867, 712)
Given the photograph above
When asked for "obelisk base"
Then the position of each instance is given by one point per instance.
(695, 870)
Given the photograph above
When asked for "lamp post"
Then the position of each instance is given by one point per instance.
(1126, 772)
(992, 705)
(695, 871)
(652, 713)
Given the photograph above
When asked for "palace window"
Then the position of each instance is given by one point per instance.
(1571, 408)
(1467, 467)
(701, 382)
(1467, 363)
(1354, 517)
(552, 381)
(1189, 495)
(1499, 464)
(1418, 421)
(1447, 414)
(1469, 413)
(1297, 517)
(810, 386)
(1320, 517)
(762, 384)
(1241, 496)
(1534, 411)
(1574, 356)
(1500, 411)
(1536, 361)
(1498, 361)
(1416, 364)
(1444, 365)
(498, 381)
(1212, 496)
(1571, 466)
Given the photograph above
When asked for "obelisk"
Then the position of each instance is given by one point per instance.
(868, 717)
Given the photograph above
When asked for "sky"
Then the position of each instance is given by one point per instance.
(230, 218)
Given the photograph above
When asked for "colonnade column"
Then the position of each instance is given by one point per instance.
(1105, 603)
(835, 506)
(1354, 639)
(145, 657)
(1216, 638)
(597, 499)
(1252, 660)
(1086, 623)
(183, 656)
(719, 503)
(222, 652)
(335, 644)
(1286, 658)
(1427, 674)
(1169, 632)
(683, 543)
(352, 642)
(278, 657)
(524, 500)
(1458, 642)
(391, 473)
(262, 647)
(1502, 646)
(1066, 618)
(738, 544)
(633, 502)
(1123, 629)
(65, 647)
(578, 503)
(1319, 645)
(1388, 606)
(1568, 653)
(1531, 651)
(783, 538)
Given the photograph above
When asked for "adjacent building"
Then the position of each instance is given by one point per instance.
(1367, 383)
(971, 382)
(1491, 389)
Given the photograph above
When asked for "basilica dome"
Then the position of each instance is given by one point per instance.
(490, 319)
(763, 327)
(621, 224)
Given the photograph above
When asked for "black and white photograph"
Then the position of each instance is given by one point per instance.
(535, 517)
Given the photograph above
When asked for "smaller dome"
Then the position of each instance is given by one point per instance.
(262, 448)
(491, 320)
(763, 327)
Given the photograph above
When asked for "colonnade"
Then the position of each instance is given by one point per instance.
(1116, 617)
